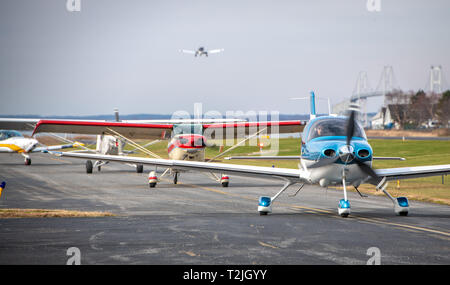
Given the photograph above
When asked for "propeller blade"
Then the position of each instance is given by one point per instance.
(368, 170)
(324, 161)
(350, 127)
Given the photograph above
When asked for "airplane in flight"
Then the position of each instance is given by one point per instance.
(335, 151)
(14, 142)
(201, 51)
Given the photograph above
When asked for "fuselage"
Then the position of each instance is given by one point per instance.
(325, 138)
(187, 147)
(12, 141)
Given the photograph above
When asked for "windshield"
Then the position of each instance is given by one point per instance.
(332, 128)
(9, 134)
(187, 129)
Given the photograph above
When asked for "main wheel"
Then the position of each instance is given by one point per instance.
(89, 166)
(139, 168)
(175, 178)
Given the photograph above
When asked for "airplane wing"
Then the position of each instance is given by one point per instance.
(146, 131)
(242, 129)
(187, 51)
(413, 172)
(267, 157)
(18, 124)
(129, 130)
(216, 50)
(240, 170)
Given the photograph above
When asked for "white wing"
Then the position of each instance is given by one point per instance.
(413, 172)
(216, 50)
(240, 170)
(187, 51)
(18, 124)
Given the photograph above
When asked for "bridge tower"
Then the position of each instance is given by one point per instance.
(436, 79)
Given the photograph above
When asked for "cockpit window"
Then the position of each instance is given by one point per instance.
(9, 134)
(333, 127)
(179, 129)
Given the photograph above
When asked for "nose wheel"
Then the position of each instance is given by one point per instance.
(344, 204)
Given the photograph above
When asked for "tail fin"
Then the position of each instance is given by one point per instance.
(312, 114)
(116, 114)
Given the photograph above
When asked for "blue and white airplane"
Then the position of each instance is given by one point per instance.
(335, 151)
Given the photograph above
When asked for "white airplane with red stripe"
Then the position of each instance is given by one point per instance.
(335, 151)
(187, 138)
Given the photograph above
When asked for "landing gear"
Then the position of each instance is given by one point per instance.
(224, 180)
(344, 208)
(264, 206)
(265, 203)
(27, 161)
(152, 179)
(344, 204)
(175, 178)
(139, 168)
(89, 166)
(401, 204)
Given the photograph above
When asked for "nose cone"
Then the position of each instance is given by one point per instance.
(346, 153)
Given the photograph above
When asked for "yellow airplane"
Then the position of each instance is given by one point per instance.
(14, 142)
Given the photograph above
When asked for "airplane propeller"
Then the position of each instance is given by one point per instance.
(345, 153)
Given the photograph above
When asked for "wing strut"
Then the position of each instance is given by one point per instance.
(236, 145)
(136, 145)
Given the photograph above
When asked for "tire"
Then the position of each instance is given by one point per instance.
(139, 168)
(175, 178)
(27, 161)
(225, 184)
(89, 166)
(152, 185)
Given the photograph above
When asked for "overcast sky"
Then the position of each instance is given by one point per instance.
(125, 54)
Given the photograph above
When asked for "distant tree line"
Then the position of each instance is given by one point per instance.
(416, 109)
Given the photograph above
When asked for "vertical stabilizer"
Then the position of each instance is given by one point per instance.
(312, 114)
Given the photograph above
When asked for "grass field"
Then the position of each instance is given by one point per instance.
(430, 189)
(45, 213)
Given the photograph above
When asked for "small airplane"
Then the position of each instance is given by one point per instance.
(201, 51)
(14, 142)
(112, 136)
(335, 151)
(187, 139)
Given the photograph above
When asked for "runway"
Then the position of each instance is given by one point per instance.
(199, 222)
